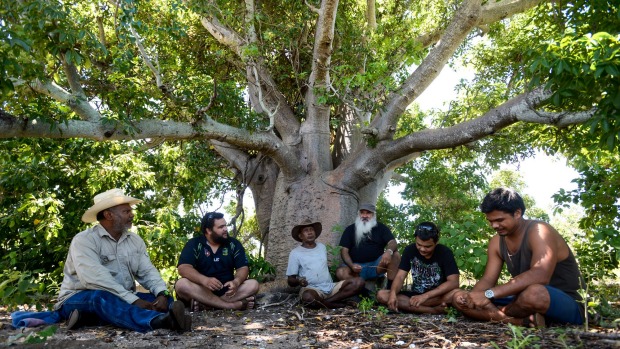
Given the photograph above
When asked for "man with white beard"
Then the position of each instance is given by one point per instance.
(369, 250)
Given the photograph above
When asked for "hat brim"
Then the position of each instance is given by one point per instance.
(90, 215)
(297, 229)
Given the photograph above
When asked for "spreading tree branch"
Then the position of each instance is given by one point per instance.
(490, 12)
(363, 169)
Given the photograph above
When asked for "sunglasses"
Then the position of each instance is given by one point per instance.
(424, 228)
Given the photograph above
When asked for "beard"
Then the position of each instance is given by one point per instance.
(220, 239)
(362, 229)
(120, 226)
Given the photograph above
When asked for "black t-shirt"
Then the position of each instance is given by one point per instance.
(427, 274)
(371, 247)
(220, 265)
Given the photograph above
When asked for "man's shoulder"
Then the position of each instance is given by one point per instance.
(380, 227)
(91, 233)
(350, 227)
(234, 243)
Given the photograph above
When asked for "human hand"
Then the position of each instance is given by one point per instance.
(161, 304)
(143, 304)
(213, 284)
(232, 288)
(393, 302)
(478, 299)
(356, 268)
(462, 299)
(386, 257)
(302, 282)
(418, 300)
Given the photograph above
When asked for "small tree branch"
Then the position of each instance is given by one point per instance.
(146, 58)
(79, 105)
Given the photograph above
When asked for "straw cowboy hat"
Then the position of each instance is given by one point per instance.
(107, 199)
(306, 223)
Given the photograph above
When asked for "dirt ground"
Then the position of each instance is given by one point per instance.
(279, 322)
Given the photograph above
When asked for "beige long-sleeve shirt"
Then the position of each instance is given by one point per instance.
(98, 262)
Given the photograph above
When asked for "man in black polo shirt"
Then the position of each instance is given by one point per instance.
(214, 269)
(369, 249)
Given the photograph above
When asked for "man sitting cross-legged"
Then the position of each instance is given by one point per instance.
(214, 269)
(307, 267)
(546, 281)
(434, 274)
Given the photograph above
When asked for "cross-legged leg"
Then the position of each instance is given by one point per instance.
(188, 290)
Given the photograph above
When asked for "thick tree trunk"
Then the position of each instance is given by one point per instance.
(310, 198)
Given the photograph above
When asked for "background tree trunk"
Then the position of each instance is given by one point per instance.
(310, 198)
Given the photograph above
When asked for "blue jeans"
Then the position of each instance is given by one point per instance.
(110, 309)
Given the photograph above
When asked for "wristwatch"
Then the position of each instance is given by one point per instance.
(164, 293)
(389, 250)
(489, 294)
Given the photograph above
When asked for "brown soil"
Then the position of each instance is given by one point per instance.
(279, 322)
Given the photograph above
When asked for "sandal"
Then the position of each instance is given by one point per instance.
(196, 306)
(535, 320)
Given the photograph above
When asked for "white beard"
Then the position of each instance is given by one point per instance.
(362, 229)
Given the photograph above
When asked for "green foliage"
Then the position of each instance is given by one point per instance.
(451, 314)
(333, 256)
(260, 269)
(598, 243)
(520, 339)
(33, 337)
(46, 185)
(365, 305)
(19, 288)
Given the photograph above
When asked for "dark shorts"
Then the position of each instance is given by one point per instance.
(562, 307)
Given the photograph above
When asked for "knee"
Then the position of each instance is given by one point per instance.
(395, 259)
(307, 297)
(459, 300)
(535, 297)
(383, 296)
(358, 283)
(343, 273)
(252, 285)
(181, 287)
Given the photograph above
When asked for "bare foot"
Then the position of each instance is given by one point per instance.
(247, 303)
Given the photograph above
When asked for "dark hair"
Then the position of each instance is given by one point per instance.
(208, 220)
(503, 199)
(427, 230)
(100, 216)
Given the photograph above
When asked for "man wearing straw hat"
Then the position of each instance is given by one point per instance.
(307, 267)
(101, 269)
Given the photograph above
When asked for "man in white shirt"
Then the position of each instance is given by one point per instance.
(307, 267)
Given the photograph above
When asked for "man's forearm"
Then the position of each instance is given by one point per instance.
(392, 245)
(241, 275)
(346, 258)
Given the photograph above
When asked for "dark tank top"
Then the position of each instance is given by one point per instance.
(566, 275)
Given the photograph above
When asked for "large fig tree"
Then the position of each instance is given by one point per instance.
(310, 102)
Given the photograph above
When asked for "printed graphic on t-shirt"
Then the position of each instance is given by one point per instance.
(425, 276)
